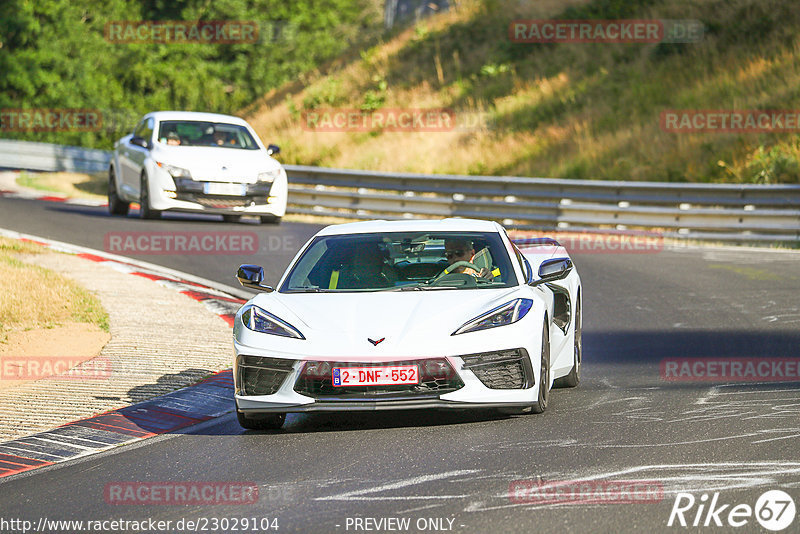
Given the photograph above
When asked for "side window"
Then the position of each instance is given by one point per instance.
(137, 132)
(145, 129)
(148, 129)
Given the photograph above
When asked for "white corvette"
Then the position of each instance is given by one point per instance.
(408, 315)
(197, 163)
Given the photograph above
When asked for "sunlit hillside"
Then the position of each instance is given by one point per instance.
(573, 110)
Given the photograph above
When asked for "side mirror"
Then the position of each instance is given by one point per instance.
(553, 269)
(251, 277)
(273, 149)
(138, 141)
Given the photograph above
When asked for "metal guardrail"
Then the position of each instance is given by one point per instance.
(720, 212)
(50, 157)
(723, 212)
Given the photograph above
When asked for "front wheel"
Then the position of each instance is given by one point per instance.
(544, 374)
(270, 219)
(145, 211)
(116, 206)
(272, 421)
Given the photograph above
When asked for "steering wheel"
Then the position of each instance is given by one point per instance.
(450, 268)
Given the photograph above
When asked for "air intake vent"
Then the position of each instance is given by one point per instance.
(508, 369)
(262, 376)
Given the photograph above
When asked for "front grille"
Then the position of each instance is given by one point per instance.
(508, 369)
(210, 202)
(262, 376)
(192, 191)
(437, 377)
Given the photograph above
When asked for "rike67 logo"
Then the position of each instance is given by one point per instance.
(774, 510)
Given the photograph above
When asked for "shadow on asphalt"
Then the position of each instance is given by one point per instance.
(167, 383)
(651, 347)
(312, 423)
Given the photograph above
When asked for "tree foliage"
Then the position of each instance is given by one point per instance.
(55, 54)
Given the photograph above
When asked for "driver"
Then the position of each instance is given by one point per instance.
(461, 249)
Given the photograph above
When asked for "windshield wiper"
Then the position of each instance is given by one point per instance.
(425, 287)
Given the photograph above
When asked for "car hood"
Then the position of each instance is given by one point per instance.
(410, 321)
(217, 164)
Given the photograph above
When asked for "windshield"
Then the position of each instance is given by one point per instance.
(402, 261)
(208, 134)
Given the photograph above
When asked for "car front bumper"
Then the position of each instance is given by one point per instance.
(189, 196)
(467, 387)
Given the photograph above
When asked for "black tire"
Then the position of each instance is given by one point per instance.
(574, 376)
(145, 211)
(544, 374)
(270, 219)
(271, 421)
(228, 218)
(116, 206)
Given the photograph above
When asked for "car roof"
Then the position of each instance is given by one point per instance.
(440, 225)
(195, 116)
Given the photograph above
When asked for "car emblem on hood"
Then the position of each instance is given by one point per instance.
(375, 342)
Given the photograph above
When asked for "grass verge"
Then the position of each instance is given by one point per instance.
(71, 184)
(32, 297)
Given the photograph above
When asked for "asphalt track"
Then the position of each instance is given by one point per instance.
(624, 422)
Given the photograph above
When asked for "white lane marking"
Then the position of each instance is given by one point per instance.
(64, 443)
(358, 495)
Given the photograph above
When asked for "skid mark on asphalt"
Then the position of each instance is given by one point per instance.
(365, 494)
(670, 479)
(673, 478)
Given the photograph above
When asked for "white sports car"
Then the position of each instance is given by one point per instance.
(408, 315)
(197, 163)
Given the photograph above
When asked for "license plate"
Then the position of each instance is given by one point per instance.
(375, 376)
(238, 190)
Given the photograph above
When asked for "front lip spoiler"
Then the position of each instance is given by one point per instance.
(356, 406)
(265, 209)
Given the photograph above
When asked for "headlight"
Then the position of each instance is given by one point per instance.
(262, 321)
(269, 176)
(175, 172)
(508, 313)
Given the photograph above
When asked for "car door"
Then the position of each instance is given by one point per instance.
(137, 154)
(126, 171)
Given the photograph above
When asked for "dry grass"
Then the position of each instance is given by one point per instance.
(32, 297)
(569, 110)
(70, 184)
